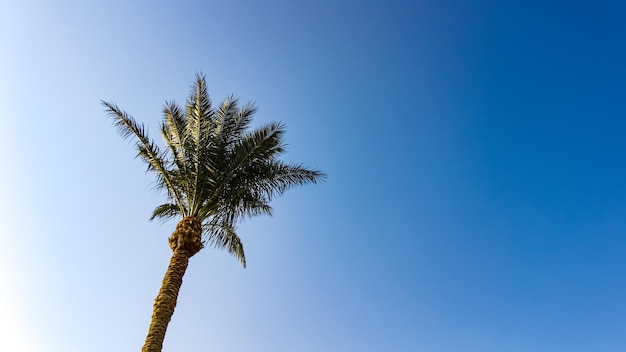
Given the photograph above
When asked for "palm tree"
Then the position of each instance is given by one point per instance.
(214, 172)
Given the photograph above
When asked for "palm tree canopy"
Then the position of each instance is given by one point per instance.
(213, 167)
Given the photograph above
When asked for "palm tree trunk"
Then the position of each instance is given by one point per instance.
(165, 301)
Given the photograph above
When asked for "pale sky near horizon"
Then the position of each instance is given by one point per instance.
(476, 161)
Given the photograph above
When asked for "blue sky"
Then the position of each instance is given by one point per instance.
(475, 198)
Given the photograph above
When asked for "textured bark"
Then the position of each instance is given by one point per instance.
(185, 242)
(187, 236)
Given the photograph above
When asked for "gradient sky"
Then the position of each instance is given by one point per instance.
(476, 161)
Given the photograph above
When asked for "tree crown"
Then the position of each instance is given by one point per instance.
(213, 167)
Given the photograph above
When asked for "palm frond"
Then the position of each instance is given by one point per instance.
(243, 119)
(224, 117)
(274, 177)
(172, 129)
(223, 236)
(264, 143)
(147, 149)
(199, 114)
(234, 121)
(165, 211)
(245, 202)
(200, 122)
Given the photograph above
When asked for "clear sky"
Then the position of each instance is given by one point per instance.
(476, 161)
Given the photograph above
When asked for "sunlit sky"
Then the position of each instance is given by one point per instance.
(476, 162)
